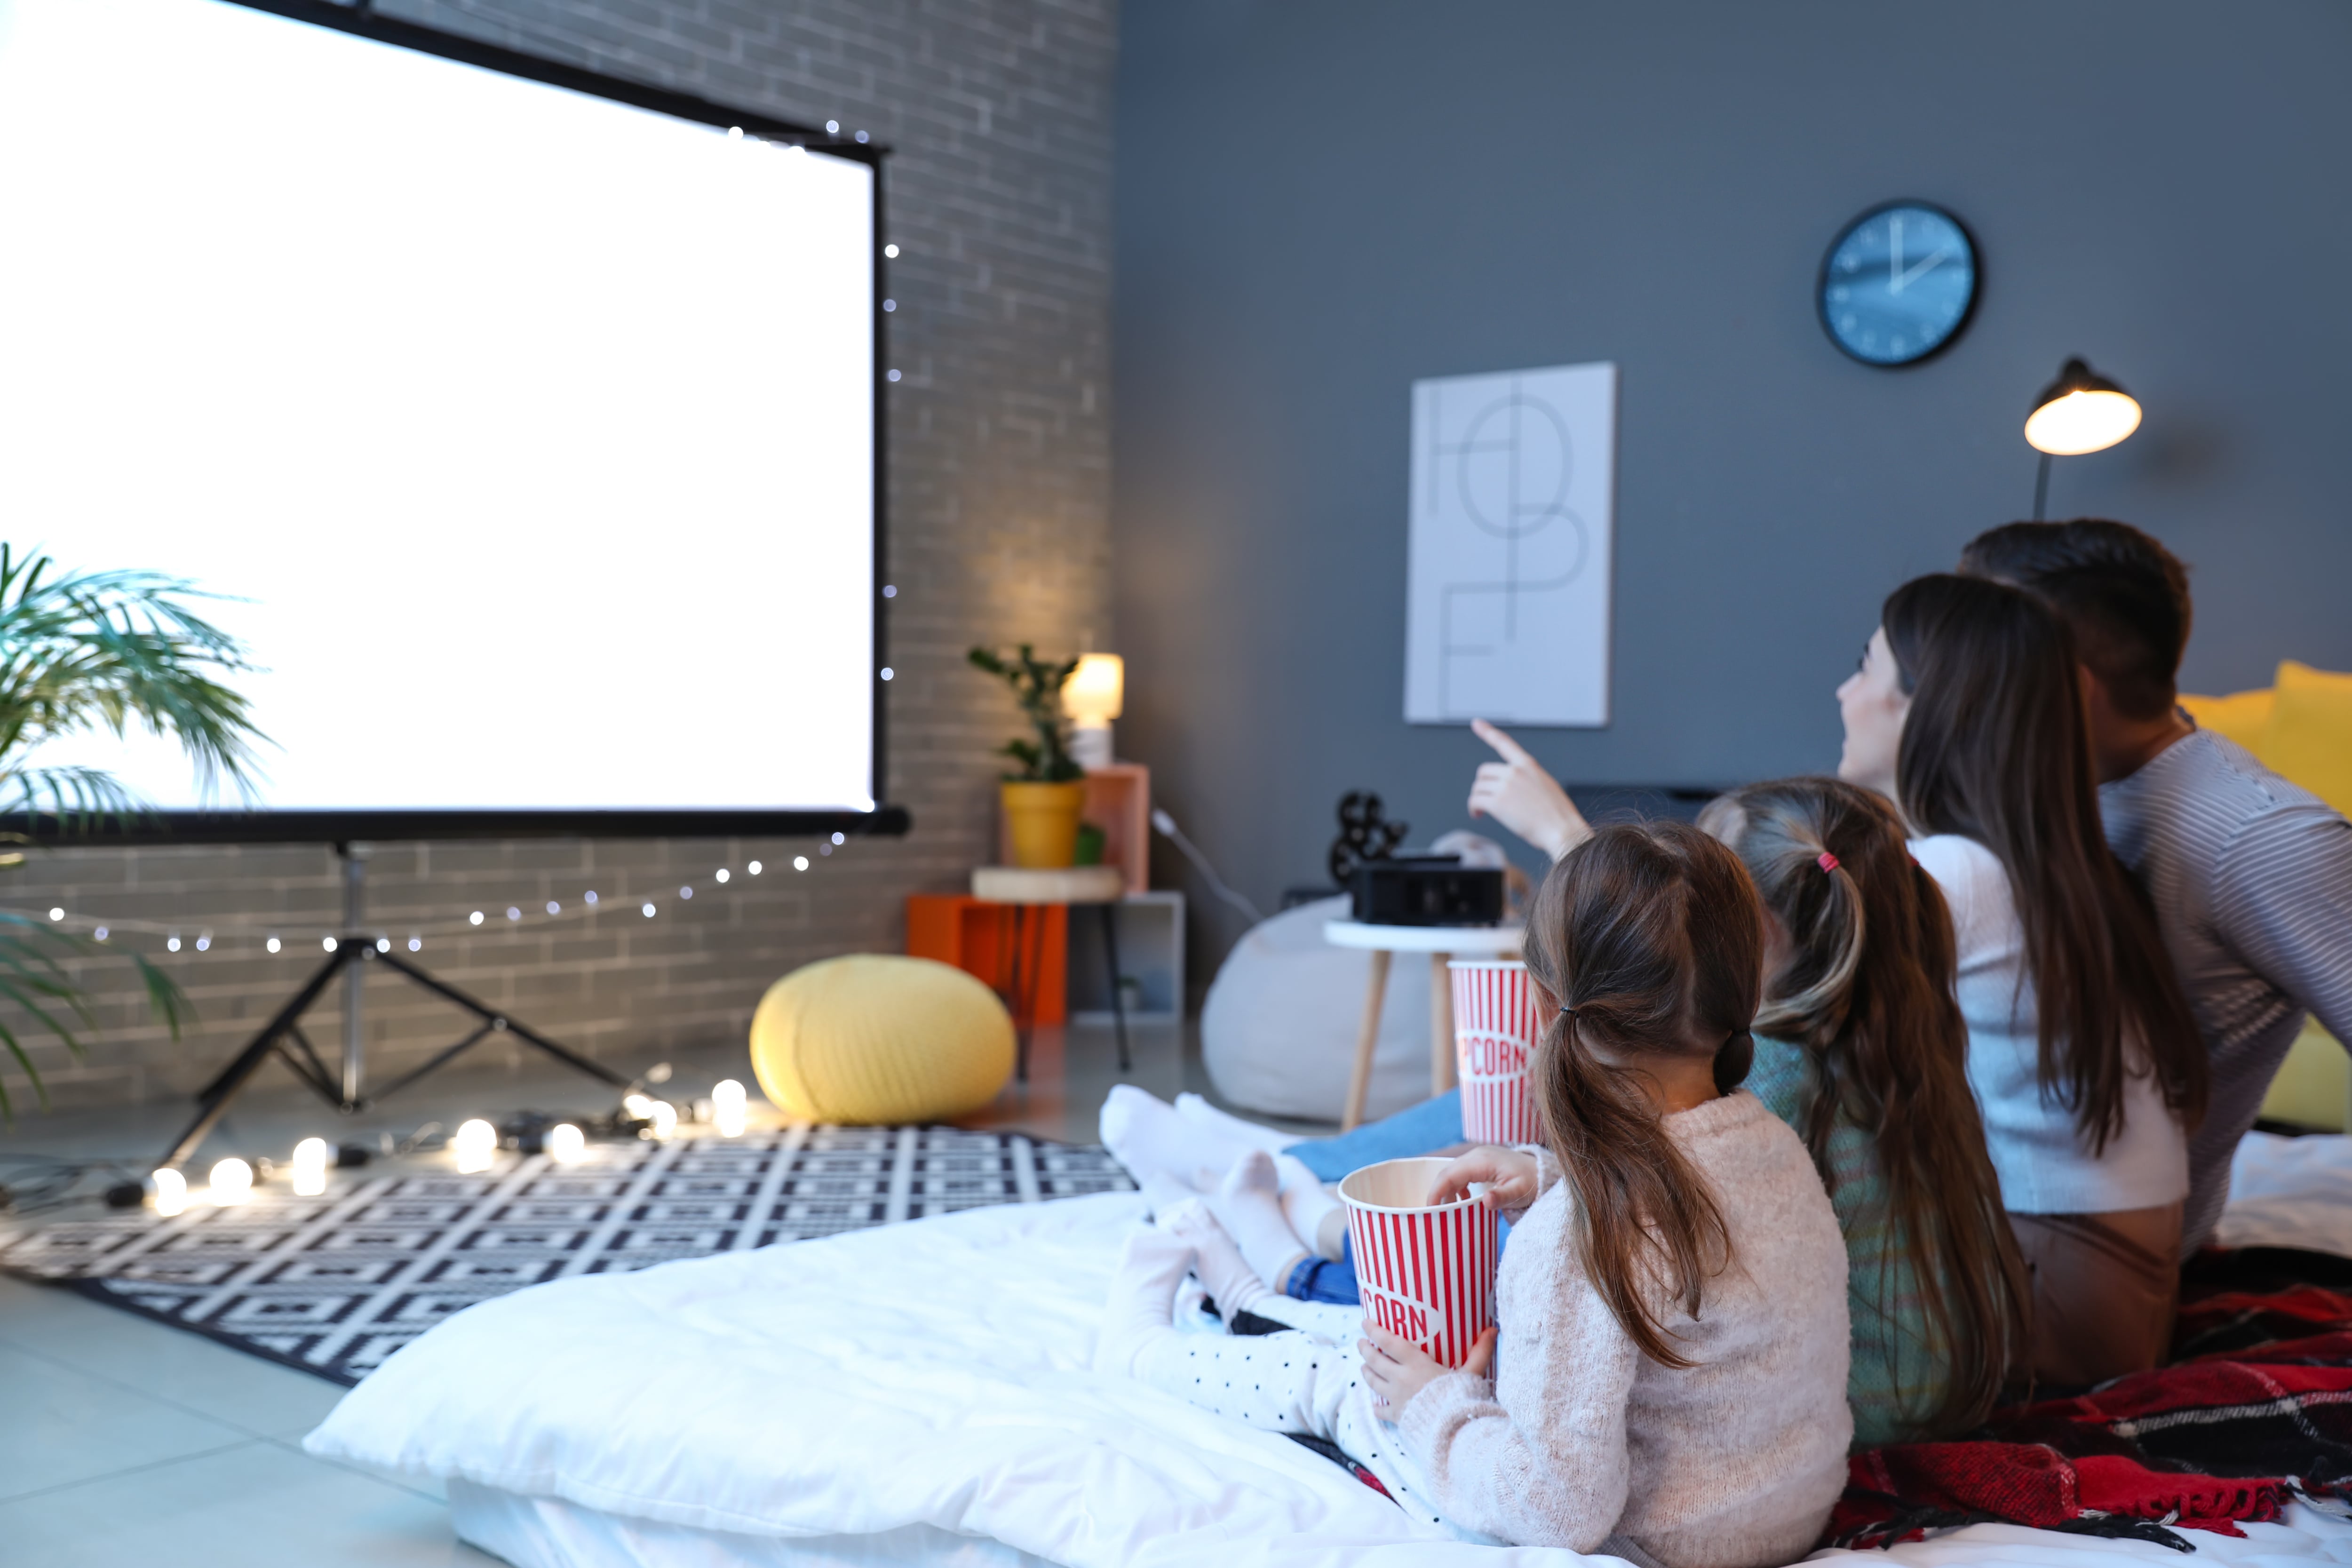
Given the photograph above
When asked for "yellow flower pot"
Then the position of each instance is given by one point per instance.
(1044, 820)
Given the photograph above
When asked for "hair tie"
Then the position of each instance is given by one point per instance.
(1826, 861)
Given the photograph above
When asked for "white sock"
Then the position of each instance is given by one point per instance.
(1145, 1134)
(1307, 1203)
(1163, 1192)
(1248, 1204)
(1242, 1135)
(1225, 1273)
(1142, 1297)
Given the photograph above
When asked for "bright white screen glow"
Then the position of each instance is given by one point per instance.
(533, 432)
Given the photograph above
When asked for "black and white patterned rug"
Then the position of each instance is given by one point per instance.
(333, 1285)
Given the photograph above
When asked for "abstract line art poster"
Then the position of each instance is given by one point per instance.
(1506, 609)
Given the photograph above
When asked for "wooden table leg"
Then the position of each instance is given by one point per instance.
(1360, 1082)
(1441, 1025)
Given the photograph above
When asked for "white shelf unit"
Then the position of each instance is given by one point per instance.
(1151, 927)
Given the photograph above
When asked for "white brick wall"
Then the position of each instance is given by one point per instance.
(999, 197)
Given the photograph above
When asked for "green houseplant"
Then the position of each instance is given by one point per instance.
(98, 650)
(1043, 799)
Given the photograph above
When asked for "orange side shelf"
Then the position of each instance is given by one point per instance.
(977, 937)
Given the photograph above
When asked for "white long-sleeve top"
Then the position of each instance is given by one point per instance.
(1732, 1463)
(2038, 1153)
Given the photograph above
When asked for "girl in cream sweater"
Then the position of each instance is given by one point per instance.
(1671, 1369)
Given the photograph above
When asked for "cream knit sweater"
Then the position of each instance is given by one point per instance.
(1735, 1462)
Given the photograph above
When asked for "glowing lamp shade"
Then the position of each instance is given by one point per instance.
(2080, 411)
(171, 1191)
(232, 1183)
(1097, 689)
(310, 1167)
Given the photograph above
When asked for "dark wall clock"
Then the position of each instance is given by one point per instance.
(1900, 284)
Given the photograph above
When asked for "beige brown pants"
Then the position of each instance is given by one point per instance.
(2104, 1289)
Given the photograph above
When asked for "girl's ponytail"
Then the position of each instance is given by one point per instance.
(1649, 940)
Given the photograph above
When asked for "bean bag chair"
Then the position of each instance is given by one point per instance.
(880, 1038)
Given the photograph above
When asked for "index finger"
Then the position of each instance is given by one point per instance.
(1511, 750)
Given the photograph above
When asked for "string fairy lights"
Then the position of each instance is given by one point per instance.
(233, 937)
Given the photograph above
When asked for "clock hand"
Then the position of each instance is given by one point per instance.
(1894, 254)
(1919, 270)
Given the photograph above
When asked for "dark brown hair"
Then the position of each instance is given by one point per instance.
(2125, 597)
(1648, 939)
(1996, 748)
(1865, 990)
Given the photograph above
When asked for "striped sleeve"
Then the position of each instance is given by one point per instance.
(2284, 903)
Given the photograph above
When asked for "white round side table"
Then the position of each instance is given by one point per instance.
(1440, 942)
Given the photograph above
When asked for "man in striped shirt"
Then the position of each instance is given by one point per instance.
(2252, 877)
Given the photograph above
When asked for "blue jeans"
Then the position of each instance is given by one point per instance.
(1433, 1124)
(1321, 1279)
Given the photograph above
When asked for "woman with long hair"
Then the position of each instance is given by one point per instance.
(1861, 1048)
(2084, 1056)
(1671, 1367)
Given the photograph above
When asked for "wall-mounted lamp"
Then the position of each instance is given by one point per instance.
(2080, 411)
(1093, 697)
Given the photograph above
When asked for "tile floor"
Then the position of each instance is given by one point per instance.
(123, 1442)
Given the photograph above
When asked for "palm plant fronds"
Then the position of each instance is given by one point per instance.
(100, 650)
(1037, 686)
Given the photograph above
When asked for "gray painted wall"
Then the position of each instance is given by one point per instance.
(999, 195)
(1321, 200)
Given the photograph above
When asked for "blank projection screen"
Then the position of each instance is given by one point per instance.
(529, 436)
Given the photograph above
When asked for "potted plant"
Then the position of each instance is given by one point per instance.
(1042, 802)
(98, 650)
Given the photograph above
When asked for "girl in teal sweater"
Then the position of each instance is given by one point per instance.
(1861, 1048)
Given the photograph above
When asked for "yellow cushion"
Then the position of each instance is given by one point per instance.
(2242, 716)
(2310, 737)
(2313, 1083)
(878, 1037)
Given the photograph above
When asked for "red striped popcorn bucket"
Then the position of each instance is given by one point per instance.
(1426, 1271)
(1496, 1022)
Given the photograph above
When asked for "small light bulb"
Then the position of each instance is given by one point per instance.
(887, 672)
(171, 1191)
(833, 128)
(839, 839)
(513, 913)
(565, 1142)
(727, 1103)
(310, 1167)
(648, 910)
(722, 873)
(99, 933)
(204, 944)
(589, 897)
(890, 590)
(891, 251)
(232, 1183)
(57, 914)
(554, 908)
(734, 133)
(800, 862)
(415, 944)
(861, 136)
(889, 305)
(892, 375)
(686, 892)
(753, 867)
(383, 945)
(665, 1119)
(272, 944)
(474, 919)
(328, 942)
(475, 1145)
(171, 944)
(640, 1107)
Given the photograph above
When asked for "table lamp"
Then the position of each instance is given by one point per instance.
(1093, 697)
(2080, 411)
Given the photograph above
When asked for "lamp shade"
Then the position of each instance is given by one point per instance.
(2080, 411)
(1096, 689)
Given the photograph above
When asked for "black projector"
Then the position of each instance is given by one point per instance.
(1426, 890)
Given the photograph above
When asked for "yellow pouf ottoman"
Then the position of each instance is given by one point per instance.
(876, 1037)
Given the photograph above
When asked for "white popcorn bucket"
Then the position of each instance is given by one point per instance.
(1496, 1022)
(1425, 1271)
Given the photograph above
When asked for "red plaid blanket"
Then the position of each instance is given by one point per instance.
(2254, 1409)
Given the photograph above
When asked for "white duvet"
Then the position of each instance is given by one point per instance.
(933, 1377)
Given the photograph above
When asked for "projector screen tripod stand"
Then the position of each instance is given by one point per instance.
(283, 1037)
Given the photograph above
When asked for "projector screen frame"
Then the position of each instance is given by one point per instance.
(266, 825)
